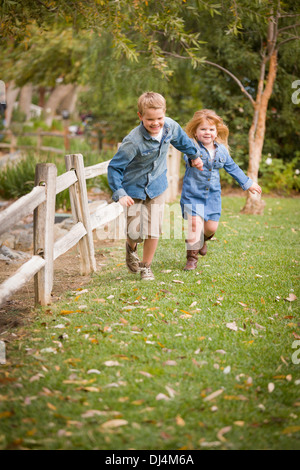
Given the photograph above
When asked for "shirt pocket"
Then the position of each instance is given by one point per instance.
(149, 155)
(220, 161)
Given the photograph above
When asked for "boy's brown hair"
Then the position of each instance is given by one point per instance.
(150, 99)
(212, 118)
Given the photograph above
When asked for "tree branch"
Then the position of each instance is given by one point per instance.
(288, 27)
(243, 89)
(288, 40)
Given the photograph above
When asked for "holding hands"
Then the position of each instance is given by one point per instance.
(197, 163)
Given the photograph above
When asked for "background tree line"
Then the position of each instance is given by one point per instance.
(239, 58)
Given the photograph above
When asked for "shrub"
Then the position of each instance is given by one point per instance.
(17, 179)
(277, 175)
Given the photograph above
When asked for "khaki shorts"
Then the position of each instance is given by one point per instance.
(144, 219)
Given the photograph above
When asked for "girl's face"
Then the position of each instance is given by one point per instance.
(206, 133)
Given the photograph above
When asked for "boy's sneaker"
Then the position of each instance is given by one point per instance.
(132, 259)
(146, 272)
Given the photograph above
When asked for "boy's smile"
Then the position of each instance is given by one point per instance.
(153, 120)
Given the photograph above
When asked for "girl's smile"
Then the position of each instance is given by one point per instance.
(206, 133)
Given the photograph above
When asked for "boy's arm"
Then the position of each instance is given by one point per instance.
(183, 143)
(117, 166)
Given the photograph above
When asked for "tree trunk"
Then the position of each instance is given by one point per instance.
(42, 93)
(25, 100)
(254, 203)
(11, 97)
(58, 94)
(69, 102)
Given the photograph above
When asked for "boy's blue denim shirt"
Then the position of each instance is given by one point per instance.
(139, 168)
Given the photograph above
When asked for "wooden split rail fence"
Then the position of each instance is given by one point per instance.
(41, 201)
(13, 144)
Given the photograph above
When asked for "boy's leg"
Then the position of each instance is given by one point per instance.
(152, 220)
(133, 214)
(150, 245)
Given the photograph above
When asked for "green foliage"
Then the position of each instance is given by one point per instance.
(17, 179)
(282, 177)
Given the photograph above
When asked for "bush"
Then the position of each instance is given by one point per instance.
(277, 175)
(17, 179)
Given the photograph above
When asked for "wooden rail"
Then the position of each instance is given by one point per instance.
(13, 145)
(41, 201)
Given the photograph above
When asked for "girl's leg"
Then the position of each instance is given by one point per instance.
(194, 241)
(195, 232)
(210, 228)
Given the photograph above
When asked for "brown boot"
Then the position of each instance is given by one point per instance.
(203, 250)
(132, 259)
(192, 258)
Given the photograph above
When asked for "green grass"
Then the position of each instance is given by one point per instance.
(249, 270)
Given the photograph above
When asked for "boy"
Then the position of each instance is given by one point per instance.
(137, 175)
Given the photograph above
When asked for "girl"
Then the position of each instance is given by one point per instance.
(201, 192)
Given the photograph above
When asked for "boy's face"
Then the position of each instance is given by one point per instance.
(153, 120)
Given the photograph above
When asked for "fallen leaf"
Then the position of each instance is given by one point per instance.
(220, 434)
(114, 423)
(291, 297)
(170, 391)
(170, 363)
(213, 395)
(177, 281)
(271, 387)
(146, 374)
(232, 326)
(112, 363)
(162, 396)
(180, 421)
(291, 430)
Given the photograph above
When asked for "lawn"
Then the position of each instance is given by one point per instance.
(193, 360)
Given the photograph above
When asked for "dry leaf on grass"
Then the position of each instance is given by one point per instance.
(232, 326)
(291, 297)
(162, 396)
(220, 434)
(213, 395)
(114, 423)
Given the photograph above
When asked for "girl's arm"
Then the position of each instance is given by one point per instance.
(237, 173)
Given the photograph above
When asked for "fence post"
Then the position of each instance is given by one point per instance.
(173, 165)
(13, 143)
(44, 215)
(81, 213)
